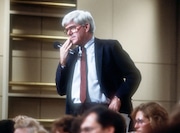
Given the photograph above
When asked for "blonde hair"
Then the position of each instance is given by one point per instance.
(28, 123)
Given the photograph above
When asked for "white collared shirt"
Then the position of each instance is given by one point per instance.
(93, 85)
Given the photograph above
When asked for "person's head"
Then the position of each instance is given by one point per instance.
(79, 26)
(63, 124)
(174, 120)
(75, 126)
(149, 117)
(6, 126)
(100, 119)
(25, 124)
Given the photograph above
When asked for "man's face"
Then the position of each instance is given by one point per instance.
(77, 33)
(142, 124)
(90, 125)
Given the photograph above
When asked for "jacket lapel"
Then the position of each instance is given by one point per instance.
(98, 57)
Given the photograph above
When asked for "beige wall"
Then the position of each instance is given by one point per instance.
(147, 31)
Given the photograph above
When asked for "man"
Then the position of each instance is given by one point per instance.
(111, 76)
(99, 119)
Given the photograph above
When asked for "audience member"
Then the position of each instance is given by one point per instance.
(174, 120)
(149, 118)
(25, 124)
(100, 119)
(75, 127)
(63, 124)
(6, 126)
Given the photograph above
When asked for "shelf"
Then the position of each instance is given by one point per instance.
(37, 36)
(45, 120)
(44, 3)
(35, 95)
(36, 14)
(17, 83)
(35, 22)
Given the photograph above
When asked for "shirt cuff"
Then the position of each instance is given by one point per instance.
(63, 66)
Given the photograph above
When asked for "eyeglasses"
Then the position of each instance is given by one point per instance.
(72, 29)
(141, 121)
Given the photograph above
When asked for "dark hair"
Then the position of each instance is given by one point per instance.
(75, 125)
(64, 122)
(6, 126)
(174, 120)
(107, 117)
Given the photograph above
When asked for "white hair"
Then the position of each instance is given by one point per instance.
(79, 17)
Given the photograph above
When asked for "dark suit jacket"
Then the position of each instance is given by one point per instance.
(116, 72)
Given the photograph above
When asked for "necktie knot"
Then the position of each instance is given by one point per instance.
(83, 49)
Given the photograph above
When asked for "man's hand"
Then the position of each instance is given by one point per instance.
(64, 51)
(115, 104)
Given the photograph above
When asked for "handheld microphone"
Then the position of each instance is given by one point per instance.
(58, 45)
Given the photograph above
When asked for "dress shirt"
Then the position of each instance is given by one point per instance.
(93, 87)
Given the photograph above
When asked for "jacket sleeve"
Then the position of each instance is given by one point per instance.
(60, 80)
(129, 71)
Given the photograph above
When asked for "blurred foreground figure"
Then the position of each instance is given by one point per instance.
(149, 118)
(174, 120)
(100, 119)
(25, 124)
(6, 126)
(63, 124)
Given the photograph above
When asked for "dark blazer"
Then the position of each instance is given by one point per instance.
(117, 74)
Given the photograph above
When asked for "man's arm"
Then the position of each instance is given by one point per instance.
(61, 89)
(131, 75)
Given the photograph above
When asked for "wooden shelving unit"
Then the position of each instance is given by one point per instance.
(34, 26)
(40, 37)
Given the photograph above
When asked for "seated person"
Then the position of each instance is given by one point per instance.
(25, 124)
(149, 118)
(100, 119)
(174, 120)
(6, 126)
(63, 124)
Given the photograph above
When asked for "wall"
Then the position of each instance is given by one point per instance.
(147, 31)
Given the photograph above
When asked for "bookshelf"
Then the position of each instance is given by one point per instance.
(34, 26)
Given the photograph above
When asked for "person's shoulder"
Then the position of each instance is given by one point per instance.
(106, 40)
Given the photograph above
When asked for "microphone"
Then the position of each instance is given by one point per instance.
(57, 45)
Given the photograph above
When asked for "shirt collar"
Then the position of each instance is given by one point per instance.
(89, 43)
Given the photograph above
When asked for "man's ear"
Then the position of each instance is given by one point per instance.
(87, 27)
(110, 129)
